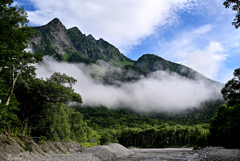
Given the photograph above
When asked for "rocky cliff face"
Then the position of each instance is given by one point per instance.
(74, 46)
(53, 37)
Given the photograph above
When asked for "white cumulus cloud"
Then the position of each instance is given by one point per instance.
(123, 23)
(207, 61)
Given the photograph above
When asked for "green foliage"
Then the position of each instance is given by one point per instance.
(76, 57)
(200, 115)
(15, 64)
(8, 118)
(66, 57)
(117, 118)
(37, 107)
(124, 62)
(129, 129)
(106, 138)
(235, 7)
(41, 139)
(42, 102)
(231, 90)
(225, 128)
(163, 136)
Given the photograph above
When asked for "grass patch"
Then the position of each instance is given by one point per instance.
(87, 145)
(66, 57)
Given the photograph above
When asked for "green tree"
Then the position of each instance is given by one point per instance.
(14, 39)
(15, 62)
(39, 98)
(231, 91)
(235, 4)
(225, 127)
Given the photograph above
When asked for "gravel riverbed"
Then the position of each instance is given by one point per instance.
(116, 152)
(70, 151)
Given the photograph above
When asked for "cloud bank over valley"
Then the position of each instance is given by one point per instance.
(160, 91)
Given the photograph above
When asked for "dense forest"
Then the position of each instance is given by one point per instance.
(40, 108)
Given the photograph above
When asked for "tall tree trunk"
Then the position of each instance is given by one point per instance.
(13, 85)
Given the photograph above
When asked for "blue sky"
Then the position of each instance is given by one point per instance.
(194, 33)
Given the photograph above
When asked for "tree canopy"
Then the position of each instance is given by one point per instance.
(225, 127)
(14, 39)
(231, 91)
(235, 7)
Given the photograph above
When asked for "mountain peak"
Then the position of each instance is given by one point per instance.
(152, 63)
(75, 29)
(91, 38)
(56, 23)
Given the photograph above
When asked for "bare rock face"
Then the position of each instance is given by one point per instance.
(59, 37)
(54, 35)
(55, 40)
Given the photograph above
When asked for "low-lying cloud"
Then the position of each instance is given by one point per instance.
(160, 91)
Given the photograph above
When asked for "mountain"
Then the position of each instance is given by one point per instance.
(150, 63)
(73, 46)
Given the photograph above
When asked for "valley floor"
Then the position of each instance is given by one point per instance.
(161, 154)
(21, 148)
(116, 152)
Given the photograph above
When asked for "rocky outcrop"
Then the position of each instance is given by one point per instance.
(13, 148)
(55, 40)
(16, 148)
(54, 34)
